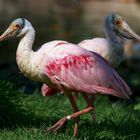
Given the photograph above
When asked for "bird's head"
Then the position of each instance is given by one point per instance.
(17, 28)
(120, 26)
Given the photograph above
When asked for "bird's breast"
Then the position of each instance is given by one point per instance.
(29, 68)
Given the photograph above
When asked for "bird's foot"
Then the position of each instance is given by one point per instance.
(58, 125)
(75, 116)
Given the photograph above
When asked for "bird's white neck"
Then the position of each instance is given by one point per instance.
(26, 42)
(27, 60)
(24, 50)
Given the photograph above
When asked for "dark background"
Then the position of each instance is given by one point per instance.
(71, 20)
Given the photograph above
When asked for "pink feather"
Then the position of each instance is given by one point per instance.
(83, 71)
(47, 91)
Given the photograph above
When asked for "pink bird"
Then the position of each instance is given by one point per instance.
(65, 66)
(111, 48)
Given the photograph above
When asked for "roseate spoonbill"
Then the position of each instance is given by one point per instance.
(111, 48)
(65, 66)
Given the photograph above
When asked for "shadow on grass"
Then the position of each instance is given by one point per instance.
(126, 127)
(12, 113)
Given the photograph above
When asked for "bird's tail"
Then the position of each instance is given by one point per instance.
(119, 88)
(122, 89)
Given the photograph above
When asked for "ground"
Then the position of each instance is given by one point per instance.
(27, 117)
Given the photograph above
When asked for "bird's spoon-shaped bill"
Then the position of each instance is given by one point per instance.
(128, 32)
(10, 32)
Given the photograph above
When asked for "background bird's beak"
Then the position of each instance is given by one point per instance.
(128, 32)
(10, 32)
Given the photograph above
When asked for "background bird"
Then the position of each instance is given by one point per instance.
(112, 48)
(65, 66)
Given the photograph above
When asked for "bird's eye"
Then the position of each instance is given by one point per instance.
(17, 25)
(118, 22)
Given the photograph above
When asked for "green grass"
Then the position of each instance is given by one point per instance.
(27, 117)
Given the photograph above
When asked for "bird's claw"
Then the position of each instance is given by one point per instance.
(57, 126)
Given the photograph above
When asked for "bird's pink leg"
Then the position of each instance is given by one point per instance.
(79, 113)
(93, 113)
(90, 102)
(75, 95)
(62, 121)
(75, 109)
(75, 116)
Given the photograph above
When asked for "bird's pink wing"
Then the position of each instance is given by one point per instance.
(48, 91)
(81, 70)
